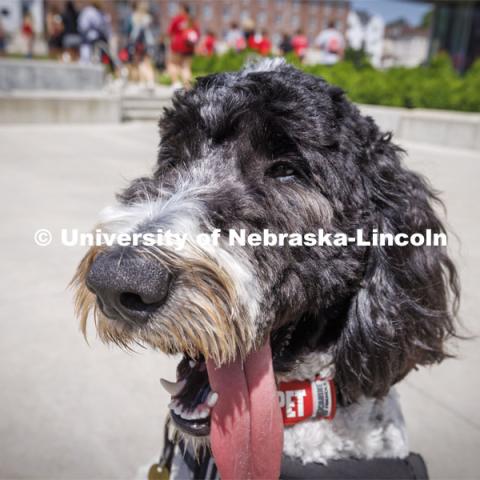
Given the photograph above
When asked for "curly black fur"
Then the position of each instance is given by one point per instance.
(381, 310)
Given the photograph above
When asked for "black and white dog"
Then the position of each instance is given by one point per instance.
(273, 148)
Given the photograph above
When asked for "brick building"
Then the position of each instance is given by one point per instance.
(275, 16)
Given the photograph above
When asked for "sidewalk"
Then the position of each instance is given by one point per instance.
(69, 410)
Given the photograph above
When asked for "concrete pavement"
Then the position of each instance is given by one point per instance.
(69, 410)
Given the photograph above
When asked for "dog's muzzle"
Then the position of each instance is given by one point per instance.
(129, 287)
(195, 303)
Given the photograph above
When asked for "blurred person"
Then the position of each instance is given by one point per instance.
(285, 45)
(54, 29)
(184, 34)
(265, 47)
(3, 37)
(300, 44)
(71, 37)
(139, 29)
(331, 44)
(28, 32)
(141, 45)
(235, 38)
(207, 44)
(260, 43)
(94, 28)
(146, 73)
(248, 27)
(123, 54)
(161, 54)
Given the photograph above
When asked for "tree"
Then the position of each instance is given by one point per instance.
(426, 20)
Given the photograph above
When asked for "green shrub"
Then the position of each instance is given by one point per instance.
(359, 58)
(228, 62)
(469, 95)
(436, 85)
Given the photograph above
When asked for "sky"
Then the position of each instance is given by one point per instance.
(393, 9)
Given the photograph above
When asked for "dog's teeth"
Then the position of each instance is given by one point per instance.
(186, 415)
(204, 412)
(212, 399)
(178, 409)
(195, 414)
(173, 388)
(201, 411)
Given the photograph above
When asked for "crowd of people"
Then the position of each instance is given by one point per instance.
(85, 35)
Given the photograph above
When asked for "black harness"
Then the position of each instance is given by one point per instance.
(202, 466)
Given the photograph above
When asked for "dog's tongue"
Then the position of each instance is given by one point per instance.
(246, 431)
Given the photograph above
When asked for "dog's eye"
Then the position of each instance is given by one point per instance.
(282, 171)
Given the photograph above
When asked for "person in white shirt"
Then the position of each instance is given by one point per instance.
(331, 44)
(93, 26)
(234, 38)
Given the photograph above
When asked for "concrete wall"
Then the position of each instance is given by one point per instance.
(436, 127)
(49, 107)
(46, 75)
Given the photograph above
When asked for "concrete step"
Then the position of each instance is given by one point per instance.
(34, 75)
(145, 100)
(146, 96)
(132, 114)
(47, 106)
(435, 127)
(147, 104)
(144, 107)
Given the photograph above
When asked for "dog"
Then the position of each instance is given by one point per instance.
(271, 147)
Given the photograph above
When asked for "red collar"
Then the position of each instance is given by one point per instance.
(305, 399)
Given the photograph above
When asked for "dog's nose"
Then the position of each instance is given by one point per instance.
(127, 286)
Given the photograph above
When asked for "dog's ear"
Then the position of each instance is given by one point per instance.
(405, 308)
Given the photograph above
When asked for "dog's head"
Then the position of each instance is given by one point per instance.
(273, 148)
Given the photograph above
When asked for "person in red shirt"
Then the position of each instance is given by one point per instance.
(184, 35)
(260, 43)
(300, 44)
(207, 46)
(28, 33)
(265, 47)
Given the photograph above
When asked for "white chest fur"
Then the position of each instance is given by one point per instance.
(369, 428)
